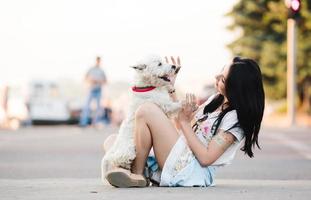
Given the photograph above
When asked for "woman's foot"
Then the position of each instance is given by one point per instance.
(123, 178)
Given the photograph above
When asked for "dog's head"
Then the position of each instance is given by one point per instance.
(154, 71)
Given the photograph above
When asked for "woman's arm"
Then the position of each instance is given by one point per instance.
(216, 147)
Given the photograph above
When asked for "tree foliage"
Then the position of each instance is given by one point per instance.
(263, 27)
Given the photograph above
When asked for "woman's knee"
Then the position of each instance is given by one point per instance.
(146, 109)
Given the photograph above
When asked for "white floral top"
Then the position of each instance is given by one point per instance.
(203, 131)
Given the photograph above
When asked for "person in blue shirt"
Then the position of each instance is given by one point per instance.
(95, 78)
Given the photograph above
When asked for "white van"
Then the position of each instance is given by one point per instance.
(46, 103)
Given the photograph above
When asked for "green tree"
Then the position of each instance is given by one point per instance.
(263, 28)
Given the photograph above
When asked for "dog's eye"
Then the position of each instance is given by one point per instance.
(159, 64)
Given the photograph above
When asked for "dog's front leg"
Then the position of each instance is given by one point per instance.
(170, 88)
(172, 108)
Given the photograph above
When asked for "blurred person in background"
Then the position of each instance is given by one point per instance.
(95, 78)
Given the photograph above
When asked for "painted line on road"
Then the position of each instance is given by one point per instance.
(301, 148)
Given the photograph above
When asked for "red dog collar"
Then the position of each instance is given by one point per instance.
(143, 89)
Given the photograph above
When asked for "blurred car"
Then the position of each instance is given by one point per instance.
(47, 104)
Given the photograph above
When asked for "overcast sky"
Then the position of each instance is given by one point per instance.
(41, 39)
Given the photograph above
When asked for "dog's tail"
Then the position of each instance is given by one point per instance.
(117, 157)
(121, 154)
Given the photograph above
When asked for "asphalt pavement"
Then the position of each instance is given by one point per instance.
(63, 162)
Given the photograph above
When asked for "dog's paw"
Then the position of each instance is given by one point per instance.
(170, 88)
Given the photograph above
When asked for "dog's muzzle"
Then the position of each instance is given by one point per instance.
(165, 78)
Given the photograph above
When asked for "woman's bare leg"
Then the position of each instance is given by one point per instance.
(152, 129)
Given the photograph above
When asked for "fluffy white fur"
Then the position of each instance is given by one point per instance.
(151, 71)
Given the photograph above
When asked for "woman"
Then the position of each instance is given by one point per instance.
(206, 138)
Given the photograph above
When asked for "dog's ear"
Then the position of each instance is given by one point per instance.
(139, 67)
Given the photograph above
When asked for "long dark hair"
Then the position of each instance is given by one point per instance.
(245, 94)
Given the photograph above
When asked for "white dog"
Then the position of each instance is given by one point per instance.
(151, 84)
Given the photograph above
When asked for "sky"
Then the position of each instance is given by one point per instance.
(59, 39)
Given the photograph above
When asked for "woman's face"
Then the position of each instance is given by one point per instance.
(221, 79)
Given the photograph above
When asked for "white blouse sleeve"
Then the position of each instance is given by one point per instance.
(230, 120)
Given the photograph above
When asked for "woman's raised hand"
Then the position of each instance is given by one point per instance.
(178, 66)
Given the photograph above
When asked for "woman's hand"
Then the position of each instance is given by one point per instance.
(189, 106)
(178, 66)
